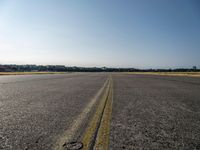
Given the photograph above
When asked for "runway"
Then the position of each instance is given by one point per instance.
(136, 112)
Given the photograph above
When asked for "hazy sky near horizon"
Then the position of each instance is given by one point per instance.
(112, 33)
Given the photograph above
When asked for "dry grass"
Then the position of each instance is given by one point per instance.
(29, 73)
(189, 74)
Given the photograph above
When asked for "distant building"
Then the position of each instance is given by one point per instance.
(2, 68)
(194, 68)
(5, 68)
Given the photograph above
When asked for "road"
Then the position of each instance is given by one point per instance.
(148, 111)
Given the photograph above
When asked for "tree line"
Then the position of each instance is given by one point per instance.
(61, 68)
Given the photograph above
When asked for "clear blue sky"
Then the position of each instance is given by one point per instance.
(112, 33)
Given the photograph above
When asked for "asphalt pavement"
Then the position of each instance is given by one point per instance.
(148, 111)
(35, 110)
(155, 112)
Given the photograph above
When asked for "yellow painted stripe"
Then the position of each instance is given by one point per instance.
(90, 132)
(69, 134)
(99, 122)
(102, 140)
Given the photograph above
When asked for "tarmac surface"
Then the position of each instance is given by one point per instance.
(155, 112)
(36, 109)
(148, 111)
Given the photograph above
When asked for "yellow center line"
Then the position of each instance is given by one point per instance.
(97, 133)
(76, 125)
(102, 140)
